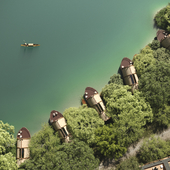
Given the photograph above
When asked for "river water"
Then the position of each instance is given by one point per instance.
(82, 43)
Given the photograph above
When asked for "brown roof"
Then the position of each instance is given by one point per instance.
(89, 91)
(55, 115)
(23, 133)
(160, 35)
(125, 62)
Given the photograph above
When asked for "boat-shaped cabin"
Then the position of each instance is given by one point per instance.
(164, 38)
(94, 100)
(23, 139)
(30, 45)
(59, 123)
(129, 73)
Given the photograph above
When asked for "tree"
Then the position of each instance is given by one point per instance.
(130, 113)
(154, 84)
(42, 145)
(162, 18)
(7, 143)
(107, 143)
(142, 60)
(8, 162)
(116, 78)
(129, 164)
(152, 149)
(77, 155)
(82, 123)
(162, 54)
(7, 139)
(155, 45)
(162, 117)
(48, 153)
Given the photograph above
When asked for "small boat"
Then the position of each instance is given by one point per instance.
(30, 45)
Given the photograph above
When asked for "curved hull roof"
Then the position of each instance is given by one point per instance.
(23, 133)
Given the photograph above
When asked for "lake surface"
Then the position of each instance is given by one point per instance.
(82, 44)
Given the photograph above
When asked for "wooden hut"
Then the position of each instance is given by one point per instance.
(164, 38)
(94, 100)
(23, 139)
(59, 123)
(129, 73)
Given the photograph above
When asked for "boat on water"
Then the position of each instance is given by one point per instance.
(30, 45)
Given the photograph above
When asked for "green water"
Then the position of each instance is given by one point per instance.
(81, 44)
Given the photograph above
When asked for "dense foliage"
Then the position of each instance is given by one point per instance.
(162, 18)
(42, 146)
(116, 79)
(82, 123)
(162, 54)
(162, 117)
(130, 113)
(48, 153)
(154, 84)
(153, 149)
(155, 45)
(7, 144)
(108, 143)
(8, 162)
(144, 59)
(129, 164)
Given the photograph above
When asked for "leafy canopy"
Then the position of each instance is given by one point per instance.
(154, 84)
(142, 60)
(153, 149)
(7, 143)
(6, 137)
(130, 113)
(162, 18)
(116, 78)
(48, 153)
(8, 162)
(82, 123)
(162, 54)
(155, 45)
(129, 164)
(107, 143)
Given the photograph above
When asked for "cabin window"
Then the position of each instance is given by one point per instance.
(99, 107)
(21, 153)
(63, 132)
(133, 79)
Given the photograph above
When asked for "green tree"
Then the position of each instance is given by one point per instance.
(142, 60)
(152, 149)
(42, 145)
(130, 113)
(116, 78)
(8, 162)
(162, 18)
(129, 164)
(162, 54)
(162, 117)
(7, 139)
(107, 143)
(48, 153)
(82, 123)
(7, 144)
(155, 45)
(154, 84)
(77, 155)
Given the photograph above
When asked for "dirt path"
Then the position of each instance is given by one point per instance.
(131, 151)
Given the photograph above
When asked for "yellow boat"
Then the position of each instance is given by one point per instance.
(30, 45)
